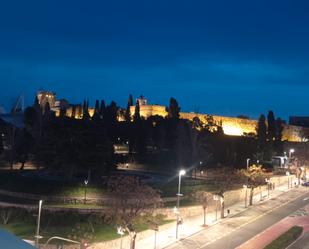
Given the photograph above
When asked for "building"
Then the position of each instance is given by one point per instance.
(299, 121)
(72, 110)
(46, 96)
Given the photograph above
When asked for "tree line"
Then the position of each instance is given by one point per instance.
(69, 144)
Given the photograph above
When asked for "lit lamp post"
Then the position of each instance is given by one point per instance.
(248, 162)
(176, 211)
(268, 186)
(291, 151)
(86, 183)
(37, 235)
(216, 198)
(120, 231)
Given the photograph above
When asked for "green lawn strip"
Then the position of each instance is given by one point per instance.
(285, 239)
(171, 188)
(102, 232)
(183, 203)
(20, 229)
(78, 206)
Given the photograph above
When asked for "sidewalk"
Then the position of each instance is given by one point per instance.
(188, 233)
(194, 225)
(299, 218)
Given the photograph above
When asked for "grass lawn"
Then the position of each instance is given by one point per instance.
(93, 206)
(188, 186)
(12, 181)
(286, 238)
(102, 232)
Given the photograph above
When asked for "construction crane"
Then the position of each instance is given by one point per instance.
(19, 105)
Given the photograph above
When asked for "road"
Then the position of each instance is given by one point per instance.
(236, 230)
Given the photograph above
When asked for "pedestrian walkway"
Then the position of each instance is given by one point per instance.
(217, 228)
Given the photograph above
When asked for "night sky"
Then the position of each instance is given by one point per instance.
(220, 57)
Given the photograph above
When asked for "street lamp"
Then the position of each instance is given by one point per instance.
(248, 161)
(37, 235)
(216, 198)
(268, 186)
(120, 231)
(290, 152)
(181, 173)
(86, 183)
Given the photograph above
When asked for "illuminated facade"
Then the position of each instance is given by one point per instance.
(231, 125)
(45, 96)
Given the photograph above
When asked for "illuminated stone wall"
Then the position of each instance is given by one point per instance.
(150, 110)
(231, 125)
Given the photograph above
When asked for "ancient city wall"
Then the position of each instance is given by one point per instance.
(231, 125)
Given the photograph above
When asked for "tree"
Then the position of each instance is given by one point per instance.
(102, 109)
(131, 200)
(96, 114)
(1, 144)
(183, 145)
(130, 100)
(173, 109)
(128, 111)
(23, 146)
(278, 136)
(86, 115)
(203, 198)
(47, 111)
(225, 179)
(137, 114)
(271, 126)
(261, 131)
(73, 114)
(253, 177)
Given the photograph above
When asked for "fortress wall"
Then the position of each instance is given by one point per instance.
(231, 125)
(293, 133)
(150, 110)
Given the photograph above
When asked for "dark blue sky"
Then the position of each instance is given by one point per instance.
(220, 57)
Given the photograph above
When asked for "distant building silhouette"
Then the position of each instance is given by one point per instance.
(299, 121)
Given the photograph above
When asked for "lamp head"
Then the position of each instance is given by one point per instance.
(182, 172)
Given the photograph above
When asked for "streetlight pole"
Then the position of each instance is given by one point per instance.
(37, 234)
(120, 231)
(248, 161)
(290, 153)
(268, 185)
(181, 173)
(86, 183)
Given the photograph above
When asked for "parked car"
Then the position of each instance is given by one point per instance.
(306, 184)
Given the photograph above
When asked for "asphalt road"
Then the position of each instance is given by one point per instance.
(238, 233)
